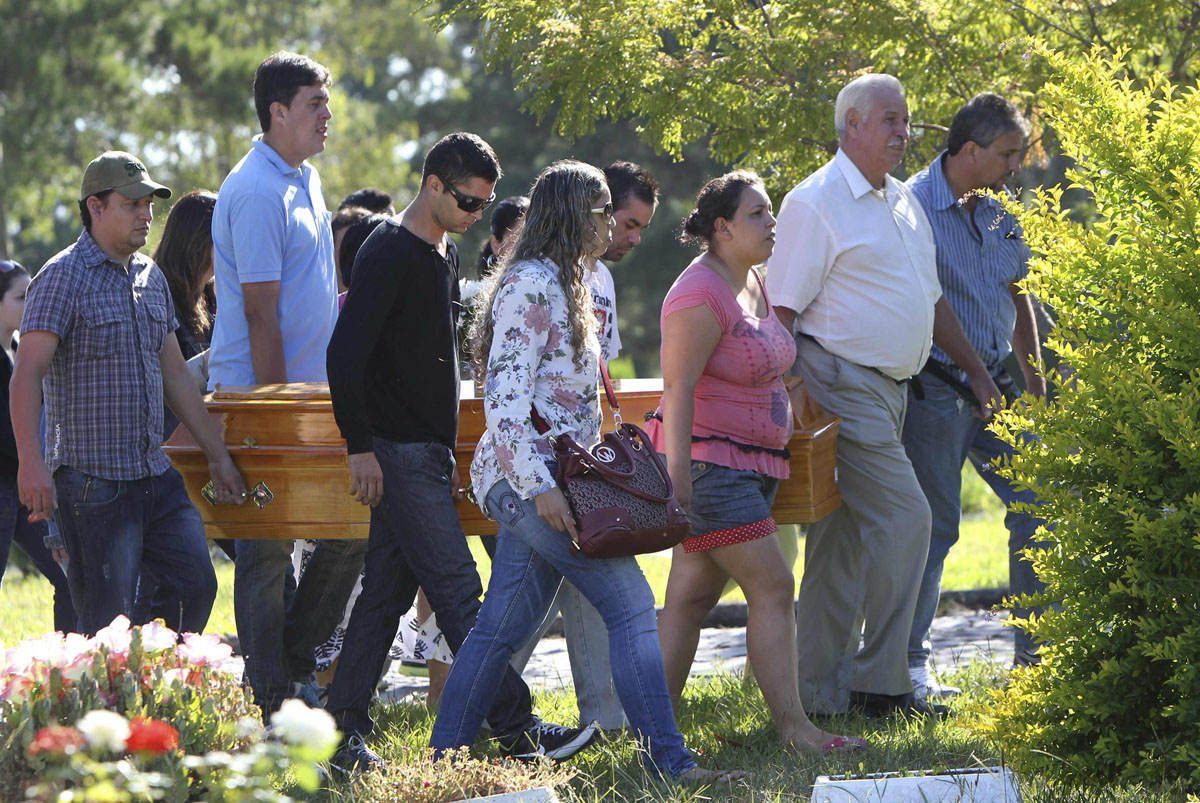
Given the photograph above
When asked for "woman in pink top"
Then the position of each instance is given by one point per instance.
(723, 424)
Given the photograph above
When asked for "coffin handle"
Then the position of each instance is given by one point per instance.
(261, 495)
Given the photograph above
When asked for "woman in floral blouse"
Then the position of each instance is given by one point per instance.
(536, 330)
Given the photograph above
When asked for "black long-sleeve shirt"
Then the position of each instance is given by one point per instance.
(8, 441)
(393, 357)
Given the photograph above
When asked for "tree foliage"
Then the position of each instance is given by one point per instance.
(1117, 457)
(755, 79)
(171, 81)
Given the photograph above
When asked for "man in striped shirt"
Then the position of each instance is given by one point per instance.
(981, 256)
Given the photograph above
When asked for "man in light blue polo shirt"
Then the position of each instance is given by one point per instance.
(276, 308)
(981, 255)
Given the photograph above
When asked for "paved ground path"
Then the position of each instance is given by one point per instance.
(958, 638)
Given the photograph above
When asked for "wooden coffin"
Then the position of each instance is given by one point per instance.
(284, 440)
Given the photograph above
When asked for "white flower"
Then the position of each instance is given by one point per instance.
(310, 728)
(116, 636)
(177, 675)
(105, 730)
(157, 636)
(249, 728)
(468, 289)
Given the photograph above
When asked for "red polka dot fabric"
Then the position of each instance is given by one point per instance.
(730, 535)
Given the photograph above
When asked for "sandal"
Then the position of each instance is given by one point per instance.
(841, 744)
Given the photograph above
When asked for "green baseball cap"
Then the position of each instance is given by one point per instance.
(120, 171)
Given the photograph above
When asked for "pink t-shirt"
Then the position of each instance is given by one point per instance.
(741, 395)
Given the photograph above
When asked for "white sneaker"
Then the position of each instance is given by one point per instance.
(926, 686)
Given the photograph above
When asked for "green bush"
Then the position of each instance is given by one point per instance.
(1117, 461)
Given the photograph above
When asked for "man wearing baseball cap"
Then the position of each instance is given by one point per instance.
(99, 329)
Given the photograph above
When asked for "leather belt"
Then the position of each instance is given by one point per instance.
(948, 375)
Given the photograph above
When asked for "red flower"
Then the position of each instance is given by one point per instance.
(151, 736)
(57, 740)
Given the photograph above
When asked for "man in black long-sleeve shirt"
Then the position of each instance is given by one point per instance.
(393, 376)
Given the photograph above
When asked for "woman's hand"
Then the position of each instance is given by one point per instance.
(682, 486)
(552, 507)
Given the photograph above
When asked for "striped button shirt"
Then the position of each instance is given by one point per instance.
(976, 263)
(103, 389)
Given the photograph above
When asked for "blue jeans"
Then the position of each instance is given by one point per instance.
(531, 560)
(155, 600)
(415, 541)
(15, 527)
(280, 622)
(939, 435)
(112, 527)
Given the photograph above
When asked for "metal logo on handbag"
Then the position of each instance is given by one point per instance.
(619, 493)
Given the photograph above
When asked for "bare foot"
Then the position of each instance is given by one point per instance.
(815, 740)
(697, 775)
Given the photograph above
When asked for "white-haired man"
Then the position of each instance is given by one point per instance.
(854, 274)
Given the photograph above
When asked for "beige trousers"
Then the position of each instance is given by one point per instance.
(863, 562)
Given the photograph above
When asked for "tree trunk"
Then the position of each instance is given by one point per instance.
(4, 244)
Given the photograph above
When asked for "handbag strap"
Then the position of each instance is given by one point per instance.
(540, 425)
(612, 397)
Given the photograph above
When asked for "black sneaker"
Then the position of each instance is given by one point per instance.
(873, 705)
(548, 741)
(353, 757)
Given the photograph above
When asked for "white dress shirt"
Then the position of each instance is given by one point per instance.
(858, 266)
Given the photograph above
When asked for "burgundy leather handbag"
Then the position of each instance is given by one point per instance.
(619, 491)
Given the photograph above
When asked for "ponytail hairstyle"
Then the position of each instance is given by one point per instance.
(560, 227)
(719, 198)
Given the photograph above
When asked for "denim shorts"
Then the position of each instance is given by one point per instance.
(729, 505)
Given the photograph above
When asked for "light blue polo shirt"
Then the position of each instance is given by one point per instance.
(270, 224)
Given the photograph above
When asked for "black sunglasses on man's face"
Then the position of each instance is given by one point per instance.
(467, 203)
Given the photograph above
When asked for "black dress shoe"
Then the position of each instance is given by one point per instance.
(875, 706)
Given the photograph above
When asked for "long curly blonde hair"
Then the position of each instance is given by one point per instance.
(560, 227)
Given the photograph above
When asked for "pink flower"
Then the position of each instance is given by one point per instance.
(18, 660)
(204, 650)
(57, 740)
(567, 399)
(178, 674)
(553, 338)
(17, 688)
(537, 318)
(505, 456)
(157, 636)
(116, 637)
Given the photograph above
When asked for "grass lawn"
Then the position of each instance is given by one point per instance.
(723, 719)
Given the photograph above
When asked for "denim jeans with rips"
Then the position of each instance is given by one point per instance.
(112, 528)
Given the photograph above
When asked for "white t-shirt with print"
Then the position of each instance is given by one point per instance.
(604, 299)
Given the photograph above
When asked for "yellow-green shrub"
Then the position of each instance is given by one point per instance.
(1117, 460)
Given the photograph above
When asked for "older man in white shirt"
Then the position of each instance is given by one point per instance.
(853, 274)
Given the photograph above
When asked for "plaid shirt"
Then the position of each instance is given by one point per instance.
(103, 390)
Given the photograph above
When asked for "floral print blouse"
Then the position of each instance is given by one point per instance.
(531, 363)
